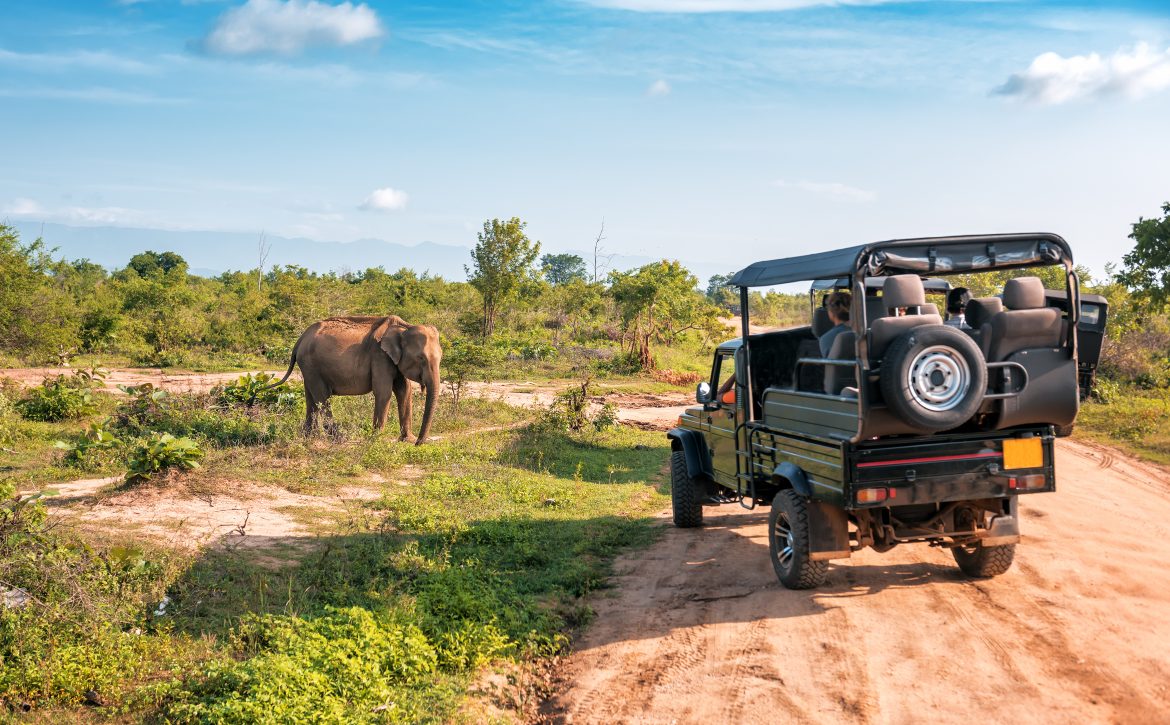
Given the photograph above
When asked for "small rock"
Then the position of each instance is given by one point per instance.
(13, 598)
(550, 502)
(94, 699)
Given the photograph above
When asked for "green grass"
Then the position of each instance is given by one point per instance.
(1133, 419)
(387, 615)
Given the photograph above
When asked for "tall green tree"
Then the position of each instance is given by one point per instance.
(561, 269)
(658, 302)
(1146, 269)
(36, 317)
(501, 261)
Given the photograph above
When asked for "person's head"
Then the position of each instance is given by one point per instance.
(957, 300)
(838, 306)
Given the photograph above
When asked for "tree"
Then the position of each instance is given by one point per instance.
(560, 269)
(658, 302)
(1146, 269)
(501, 261)
(148, 263)
(720, 294)
(36, 318)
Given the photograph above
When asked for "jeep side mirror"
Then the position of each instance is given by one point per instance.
(703, 393)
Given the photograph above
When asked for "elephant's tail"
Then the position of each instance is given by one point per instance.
(292, 363)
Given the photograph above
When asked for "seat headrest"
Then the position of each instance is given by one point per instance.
(903, 290)
(980, 311)
(821, 322)
(1024, 293)
(928, 309)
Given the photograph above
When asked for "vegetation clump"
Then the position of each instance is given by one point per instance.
(63, 397)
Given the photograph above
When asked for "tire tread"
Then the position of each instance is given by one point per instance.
(686, 499)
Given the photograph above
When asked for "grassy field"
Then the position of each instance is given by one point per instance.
(1134, 419)
(468, 556)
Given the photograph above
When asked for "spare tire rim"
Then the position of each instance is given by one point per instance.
(939, 378)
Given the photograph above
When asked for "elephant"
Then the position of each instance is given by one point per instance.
(358, 354)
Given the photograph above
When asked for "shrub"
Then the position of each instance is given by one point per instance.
(63, 397)
(160, 452)
(570, 411)
(144, 408)
(253, 390)
(626, 363)
(90, 450)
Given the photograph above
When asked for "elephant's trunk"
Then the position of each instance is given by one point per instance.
(432, 387)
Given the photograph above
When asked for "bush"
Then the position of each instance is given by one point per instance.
(570, 411)
(256, 390)
(61, 397)
(92, 449)
(626, 363)
(160, 452)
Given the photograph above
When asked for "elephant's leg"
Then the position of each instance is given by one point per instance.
(310, 413)
(381, 407)
(327, 414)
(402, 393)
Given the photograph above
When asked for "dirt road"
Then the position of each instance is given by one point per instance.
(698, 630)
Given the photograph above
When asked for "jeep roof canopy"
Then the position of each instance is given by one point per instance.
(931, 255)
(923, 256)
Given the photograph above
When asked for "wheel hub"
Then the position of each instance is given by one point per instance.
(939, 378)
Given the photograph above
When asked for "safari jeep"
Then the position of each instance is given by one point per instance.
(908, 430)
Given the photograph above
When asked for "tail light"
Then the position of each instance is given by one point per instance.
(872, 495)
(1030, 482)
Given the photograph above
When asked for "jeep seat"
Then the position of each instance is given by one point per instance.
(839, 377)
(1026, 322)
(979, 313)
(821, 322)
(903, 290)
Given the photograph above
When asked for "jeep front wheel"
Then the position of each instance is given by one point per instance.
(686, 498)
(788, 542)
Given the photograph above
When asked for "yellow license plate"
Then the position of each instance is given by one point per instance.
(1022, 453)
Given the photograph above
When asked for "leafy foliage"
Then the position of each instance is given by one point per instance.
(501, 262)
(253, 390)
(89, 450)
(570, 411)
(62, 397)
(659, 302)
(561, 269)
(1146, 268)
(160, 452)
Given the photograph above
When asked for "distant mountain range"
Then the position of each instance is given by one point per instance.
(209, 253)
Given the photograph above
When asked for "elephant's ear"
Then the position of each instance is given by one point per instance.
(391, 342)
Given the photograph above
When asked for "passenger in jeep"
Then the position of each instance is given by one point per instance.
(838, 308)
(957, 300)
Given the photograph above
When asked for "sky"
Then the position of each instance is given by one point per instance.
(710, 130)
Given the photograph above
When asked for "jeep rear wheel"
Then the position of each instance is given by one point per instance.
(934, 377)
(686, 497)
(788, 543)
(977, 560)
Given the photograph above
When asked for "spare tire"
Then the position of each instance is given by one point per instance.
(933, 377)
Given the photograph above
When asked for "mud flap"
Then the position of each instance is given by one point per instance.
(1004, 528)
(828, 531)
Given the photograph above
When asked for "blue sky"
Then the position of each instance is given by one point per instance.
(728, 130)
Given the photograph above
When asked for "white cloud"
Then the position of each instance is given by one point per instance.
(287, 28)
(80, 59)
(30, 208)
(385, 200)
(831, 189)
(23, 207)
(658, 88)
(95, 95)
(1053, 79)
(722, 6)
